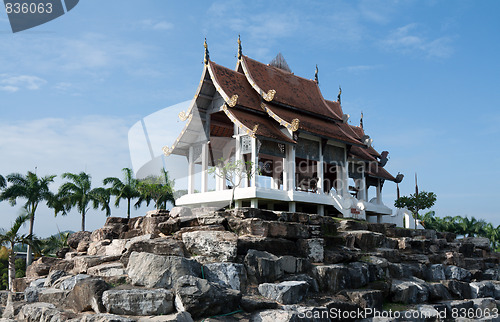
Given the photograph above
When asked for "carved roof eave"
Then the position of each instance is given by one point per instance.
(245, 129)
(292, 126)
(230, 101)
(269, 96)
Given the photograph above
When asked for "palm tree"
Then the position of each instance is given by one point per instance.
(126, 189)
(158, 189)
(34, 190)
(471, 226)
(11, 238)
(3, 183)
(494, 235)
(78, 192)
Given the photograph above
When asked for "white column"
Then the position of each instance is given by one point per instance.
(254, 203)
(345, 179)
(362, 186)
(290, 168)
(190, 171)
(321, 210)
(379, 192)
(204, 167)
(255, 163)
(291, 206)
(320, 170)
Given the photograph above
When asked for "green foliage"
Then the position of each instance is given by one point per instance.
(49, 246)
(77, 192)
(414, 202)
(234, 172)
(158, 189)
(463, 226)
(32, 188)
(13, 237)
(126, 189)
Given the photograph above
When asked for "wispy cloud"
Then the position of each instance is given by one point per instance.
(156, 25)
(13, 84)
(359, 68)
(411, 39)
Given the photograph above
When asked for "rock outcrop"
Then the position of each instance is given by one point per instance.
(256, 265)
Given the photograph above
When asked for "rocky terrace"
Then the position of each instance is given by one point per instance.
(258, 265)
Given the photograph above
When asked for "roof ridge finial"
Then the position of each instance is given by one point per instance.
(340, 93)
(316, 75)
(240, 51)
(207, 56)
(361, 120)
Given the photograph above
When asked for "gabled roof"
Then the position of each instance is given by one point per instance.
(234, 83)
(285, 88)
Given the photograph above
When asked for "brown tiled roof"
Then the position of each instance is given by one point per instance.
(235, 83)
(291, 90)
(267, 128)
(377, 171)
(361, 153)
(315, 125)
(336, 108)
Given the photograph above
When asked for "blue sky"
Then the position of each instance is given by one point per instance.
(424, 73)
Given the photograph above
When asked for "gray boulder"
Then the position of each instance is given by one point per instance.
(138, 301)
(409, 292)
(69, 282)
(202, 298)
(41, 312)
(75, 238)
(166, 246)
(457, 273)
(155, 271)
(313, 249)
(53, 277)
(107, 270)
(218, 246)
(227, 274)
(289, 292)
(435, 273)
(263, 266)
(31, 294)
(103, 317)
(332, 278)
(438, 292)
(87, 295)
(367, 298)
(482, 289)
(54, 296)
(175, 317)
(458, 289)
(38, 282)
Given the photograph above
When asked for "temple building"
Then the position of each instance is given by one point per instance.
(298, 150)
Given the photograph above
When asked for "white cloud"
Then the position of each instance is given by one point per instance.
(96, 144)
(359, 68)
(410, 39)
(12, 84)
(156, 25)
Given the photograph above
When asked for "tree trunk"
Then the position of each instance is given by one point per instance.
(12, 268)
(83, 220)
(232, 199)
(29, 250)
(128, 208)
